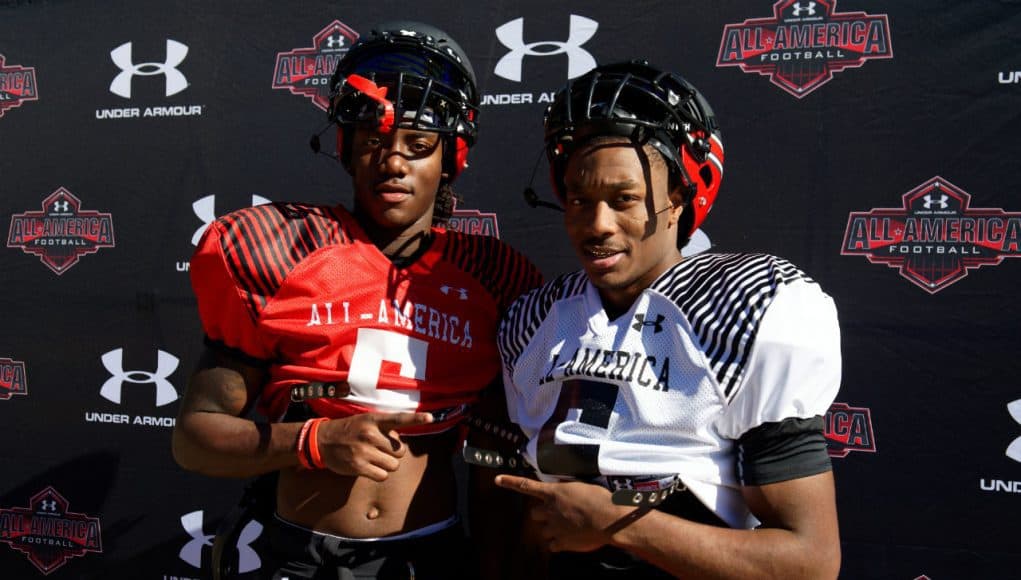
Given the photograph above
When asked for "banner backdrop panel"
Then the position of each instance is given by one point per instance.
(872, 144)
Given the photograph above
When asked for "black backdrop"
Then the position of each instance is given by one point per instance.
(99, 322)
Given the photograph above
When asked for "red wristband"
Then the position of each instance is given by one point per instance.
(313, 442)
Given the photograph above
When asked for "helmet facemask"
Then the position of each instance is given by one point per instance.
(408, 76)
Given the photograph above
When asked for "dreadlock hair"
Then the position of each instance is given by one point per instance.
(446, 201)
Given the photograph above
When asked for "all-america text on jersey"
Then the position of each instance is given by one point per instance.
(420, 318)
(617, 365)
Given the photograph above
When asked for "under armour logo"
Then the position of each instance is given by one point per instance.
(166, 364)
(462, 292)
(623, 483)
(642, 322)
(175, 80)
(579, 60)
(942, 201)
(48, 505)
(335, 41)
(191, 552)
(798, 8)
(205, 210)
(61, 205)
(1014, 449)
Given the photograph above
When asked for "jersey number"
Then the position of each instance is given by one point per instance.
(373, 349)
(585, 401)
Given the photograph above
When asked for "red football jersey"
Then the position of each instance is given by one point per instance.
(303, 289)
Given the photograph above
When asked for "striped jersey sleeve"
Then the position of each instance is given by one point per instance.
(526, 314)
(724, 297)
(502, 270)
(244, 258)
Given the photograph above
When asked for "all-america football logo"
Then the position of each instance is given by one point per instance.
(62, 232)
(17, 86)
(804, 43)
(12, 379)
(307, 71)
(936, 237)
(48, 533)
(848, 429)
(473, 221)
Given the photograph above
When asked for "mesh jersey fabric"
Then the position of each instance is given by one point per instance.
(718, 345)
(302, 288)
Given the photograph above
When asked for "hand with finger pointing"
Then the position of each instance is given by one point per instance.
(569, 516)
(367, 444)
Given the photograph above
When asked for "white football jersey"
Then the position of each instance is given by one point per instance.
(718, 345)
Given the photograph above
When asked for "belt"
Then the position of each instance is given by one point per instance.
(306, 391)
(341, 390)
(632, 490)
(643, 490)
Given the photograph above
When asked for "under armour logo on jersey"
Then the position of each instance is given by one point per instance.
(642, 322)
(942, 201)
(335, 41)
(48, 505)
(810, 9)
(61, 205)
(462, 292)
(175, 80)
(248, 558)
(579, 60)
(1014, 449)
(166, 364)
(205, 210)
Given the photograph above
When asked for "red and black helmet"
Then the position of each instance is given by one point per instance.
(410, 75)
(637, 101)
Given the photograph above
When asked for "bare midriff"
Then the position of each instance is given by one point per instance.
(421, 492)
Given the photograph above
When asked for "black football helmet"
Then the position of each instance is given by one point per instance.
(411, 75)
(647, 105)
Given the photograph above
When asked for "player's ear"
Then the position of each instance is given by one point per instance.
(676, 197)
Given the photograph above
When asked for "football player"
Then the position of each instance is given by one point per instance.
(672, 407)
(362, 336)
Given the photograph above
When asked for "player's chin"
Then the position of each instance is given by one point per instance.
(396, 216)
(607, 279)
